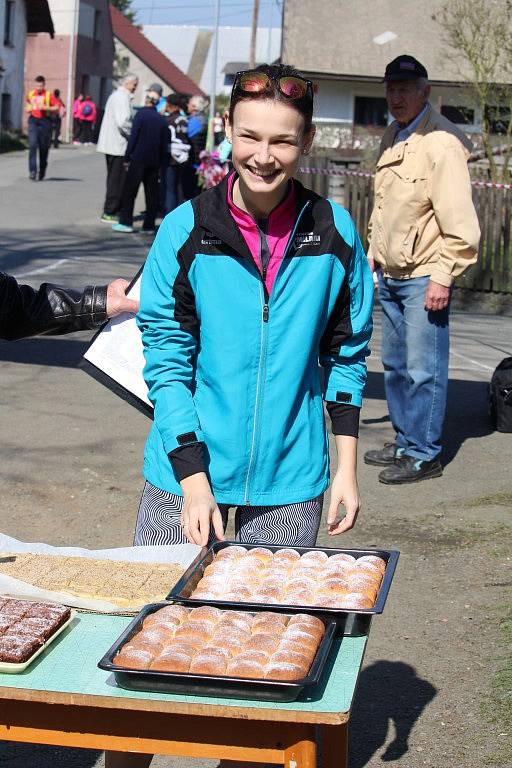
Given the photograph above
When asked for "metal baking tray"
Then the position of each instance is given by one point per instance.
(14, 667)
(353, 622)
(192, 684)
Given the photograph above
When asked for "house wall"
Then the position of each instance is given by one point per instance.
(91, 58)
(335, 99)
(134, 65)
(12, 57)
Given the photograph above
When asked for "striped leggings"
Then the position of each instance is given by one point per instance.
(159, 521)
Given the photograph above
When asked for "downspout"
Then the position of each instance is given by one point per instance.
(71, 69)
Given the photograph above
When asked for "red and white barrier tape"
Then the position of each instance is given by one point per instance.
(369, 175)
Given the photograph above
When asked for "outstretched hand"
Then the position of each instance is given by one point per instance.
(117, 300)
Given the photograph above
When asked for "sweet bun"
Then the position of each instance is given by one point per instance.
(266, 595)
(177, 611)
(305, 619)
(203, 594)
(239, 619)
(266, 643)
(267, 628)
(240, 634)
(269, 616)
(205, 613)
(134, 658)
(213, 583)
(304, 639)
(192, 636)
(356, 600)
(171, 660)
(237, 588)
(285, 671)
(334, 586)
(155, 635)
(379, 562)
(314, 556)
(208, 664)
(339, 568)
(332, 601)
(157, 619)
(246, 668)
(285, 555)
(232, 552)
(214, 648)
(342, 556)
(238, 596)
(218, 567)
(290, 657)
(366, 567)
(261, 554)
(295, 646)
(260, 656)
(228, 644)
(300, 597)
(356, 580)
(298, 583)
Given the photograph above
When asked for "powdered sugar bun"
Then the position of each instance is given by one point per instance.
(229, 644)
(324, 601)
(290, 657)
(261, 657)
(217, 567)
(240, 619)
(238, 634)
(208, 664)
(171, 660)
(214, 647)
(202, 594)
(366, 567)
(285, 671)
(342, 556)
(205, 613)
(268, 595)
(356, 600)
(156, 619)
(314, 556)
(339, 568)
(261, 554)
(300, 597)
(193, 636)
(375, 560)
(285, 555)
(265, 617)
(305, 639)
(134, 658)
(231, 552)
(358, 579)
(155, 635)
(286, 646)
(260, 642)
(246, 668)
(267, 628)
(306, 619)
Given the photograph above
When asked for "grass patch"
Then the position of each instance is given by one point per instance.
(503, 499)
(497, 705)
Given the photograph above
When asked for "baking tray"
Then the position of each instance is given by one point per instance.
(192, 684)
(353, 622)
(12, 668)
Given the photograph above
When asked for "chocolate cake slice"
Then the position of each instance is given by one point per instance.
(15, 649)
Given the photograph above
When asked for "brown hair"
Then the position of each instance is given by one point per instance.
(275, 71)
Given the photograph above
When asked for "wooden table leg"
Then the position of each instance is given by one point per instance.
(334, 745)
(302, 754)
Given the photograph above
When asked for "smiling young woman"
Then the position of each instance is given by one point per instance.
(248, 288)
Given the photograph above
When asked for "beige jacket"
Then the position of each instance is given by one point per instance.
(423, 221)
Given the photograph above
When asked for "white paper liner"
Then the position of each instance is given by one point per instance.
(179, 554)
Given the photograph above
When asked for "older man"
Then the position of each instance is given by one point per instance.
(113, 140)
(423, 234)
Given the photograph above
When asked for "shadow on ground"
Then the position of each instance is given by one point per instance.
(15, 755)
(466, 412)
(388, 692)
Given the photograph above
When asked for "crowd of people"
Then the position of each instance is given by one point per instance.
(159, 144)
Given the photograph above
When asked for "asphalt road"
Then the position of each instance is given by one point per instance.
(70, 474)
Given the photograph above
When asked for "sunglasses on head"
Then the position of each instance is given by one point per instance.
(291, 86)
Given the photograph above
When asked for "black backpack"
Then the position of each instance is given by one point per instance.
(500, 396)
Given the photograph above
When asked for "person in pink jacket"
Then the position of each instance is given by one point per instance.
(76, 119)
(87, 117)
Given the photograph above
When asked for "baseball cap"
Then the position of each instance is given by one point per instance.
(404, 68)
(156, 87)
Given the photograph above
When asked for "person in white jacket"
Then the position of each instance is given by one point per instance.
(112, 142)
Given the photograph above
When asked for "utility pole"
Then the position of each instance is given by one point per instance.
(254, 32)
(213, 87)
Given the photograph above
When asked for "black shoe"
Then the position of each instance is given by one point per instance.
(41, 176)
(407, 469)
(32, 176)
(383, 457)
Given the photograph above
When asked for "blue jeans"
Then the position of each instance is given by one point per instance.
(415, 347)
(39, 140)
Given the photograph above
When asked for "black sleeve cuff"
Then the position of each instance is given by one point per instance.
(187, 460)
(344, 419)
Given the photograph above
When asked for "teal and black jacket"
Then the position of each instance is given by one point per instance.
(235, 375)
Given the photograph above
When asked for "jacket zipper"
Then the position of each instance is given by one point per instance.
(265, 313)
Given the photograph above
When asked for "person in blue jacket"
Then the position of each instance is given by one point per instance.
(256, 307)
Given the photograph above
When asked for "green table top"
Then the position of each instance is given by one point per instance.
(69, 665)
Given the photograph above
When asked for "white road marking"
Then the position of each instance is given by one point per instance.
(47, 268)
(470, 360)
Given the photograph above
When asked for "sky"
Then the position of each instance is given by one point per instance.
(202, 12)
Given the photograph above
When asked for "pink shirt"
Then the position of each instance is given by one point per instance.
(279, 228)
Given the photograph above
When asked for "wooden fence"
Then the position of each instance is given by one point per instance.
(493, 270)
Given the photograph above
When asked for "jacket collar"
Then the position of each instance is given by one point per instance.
(215, 218)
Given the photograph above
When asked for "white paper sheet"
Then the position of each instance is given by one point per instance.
(117, 352)
(182, 554)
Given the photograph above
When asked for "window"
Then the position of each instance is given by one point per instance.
(229, 79)
(97, 22)
(498, 118)
(125, 61)
(370, 110)
(6, 110)
(459, 115)
(9, 23)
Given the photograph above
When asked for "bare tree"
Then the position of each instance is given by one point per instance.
(254, 32)
(478, 34)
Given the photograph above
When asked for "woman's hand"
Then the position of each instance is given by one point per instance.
(200, 510)
(344, 490)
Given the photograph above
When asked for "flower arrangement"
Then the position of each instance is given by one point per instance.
(211, 169)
